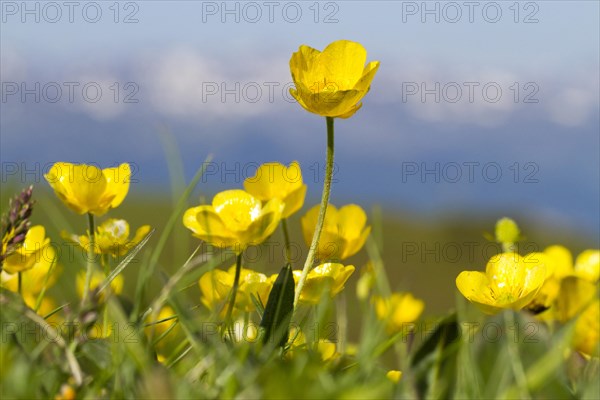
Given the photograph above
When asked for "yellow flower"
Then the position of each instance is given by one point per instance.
(332, 83)
(275, 180)
(326, 278)
(116, 286)
(325, 348)
(235, 219)
(587, 265)
(42, 275)
(344, 232)
(508, 282)
(394, 375)
(32, 251)
(398, 310)
(87, 188)
(216, 286)
(112, 237)
(587, 330)
(160, 328)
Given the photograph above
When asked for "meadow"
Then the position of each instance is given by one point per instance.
(111, 290)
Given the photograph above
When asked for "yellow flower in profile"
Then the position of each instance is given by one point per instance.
(327, 278)
(216, 286)
(344, 231)
(394, 375)
(236, 219)
(586, 338)
(332, 83)
(275, 180)
(398, 310)
(508, 283)
(32, 251)
(116, 285)
(39, 277)
(87, 188)
(112, 237)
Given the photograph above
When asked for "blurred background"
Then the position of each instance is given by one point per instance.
(479, 110)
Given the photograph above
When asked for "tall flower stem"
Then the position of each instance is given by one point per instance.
(234, 290)
(20, 283)
(286, 238)
(91, 258)
(322, 210)
(104, 262)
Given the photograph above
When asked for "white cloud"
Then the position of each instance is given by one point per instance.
(185, 83)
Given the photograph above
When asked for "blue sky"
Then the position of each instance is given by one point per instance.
(179, 56)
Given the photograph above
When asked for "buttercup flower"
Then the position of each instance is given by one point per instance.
(32, 251)
(344, 232)
(216, 286)
(116, 285)
(87, 188)
(112, 237)
(41, 275)
(235, 219)
(332, 83)
(398, 310)
(326, 278)
(275, 180)
(508, 282)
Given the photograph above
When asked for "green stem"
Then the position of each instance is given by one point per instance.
(236, 283)
(91, 258)
(286, 238)
(104, 262)
(20, 283)
(324, 202)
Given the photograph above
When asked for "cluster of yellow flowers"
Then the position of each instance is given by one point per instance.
(239, 218)
(546, 283)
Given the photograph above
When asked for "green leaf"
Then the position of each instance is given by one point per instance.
(434, 363)
(278, 311)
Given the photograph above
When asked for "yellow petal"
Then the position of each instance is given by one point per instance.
(475, 286)
(237, 209)
(586, 337)
(117, 180)
(265, 225)
(587, 265)
(562, 259)
(294, 201)
(351, 220)
(575, 294)
(343, 63)
(206, 224)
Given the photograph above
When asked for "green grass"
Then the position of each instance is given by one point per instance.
(440, 359)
